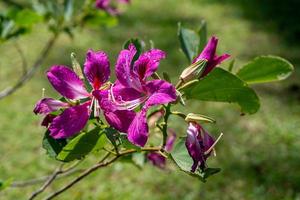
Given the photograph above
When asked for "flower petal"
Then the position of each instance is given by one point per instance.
(138, 129)
(209, 50)
(123, 66)
(211, 65)
(70, 122)
(48, 105)
(193, 146)
(160, 92)
(96, 68)
(120, 119)
(148, 63)
(66, 82)
(48, 120)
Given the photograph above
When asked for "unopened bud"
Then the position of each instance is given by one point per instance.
(76, 66)
(193, 71)
(191, 117)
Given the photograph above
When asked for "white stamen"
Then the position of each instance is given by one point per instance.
(214, 144)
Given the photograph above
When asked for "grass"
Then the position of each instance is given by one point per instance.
(258, 154)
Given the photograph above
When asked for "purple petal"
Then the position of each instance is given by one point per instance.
(66, 82)
(120, 119)
(193, 146)
(148, 63)
(208, 140)
(96, 68)
(138, 129)
(70, 122)
(209, 50)
(122, 93)
(170, 141)
(211, 65)
(160, 92)
(105, 103)
(123, 66)
(48, 105)
(157, 160)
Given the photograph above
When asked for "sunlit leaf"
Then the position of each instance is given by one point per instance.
(222, 86)
(264, 69)
(82, 145)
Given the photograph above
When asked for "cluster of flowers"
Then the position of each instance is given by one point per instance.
(124, 103)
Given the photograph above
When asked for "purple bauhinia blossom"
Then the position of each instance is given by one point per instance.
(107, 5)
(156, 158)
(199, 145)
(209, 54)
(76, 114)
(133, 89)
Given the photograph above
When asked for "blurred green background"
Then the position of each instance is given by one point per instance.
(259, 154)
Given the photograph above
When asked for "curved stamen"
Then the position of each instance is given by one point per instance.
(126, 105)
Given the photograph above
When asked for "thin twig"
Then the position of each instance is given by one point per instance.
(47, 183)
(22, 56)
(95, 167)
(29, 74)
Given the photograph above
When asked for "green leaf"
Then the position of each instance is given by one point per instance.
(98, 19)
(27, 18)
(202, 35)
(181, 156)
(207, 172)
(189, 42)
(222, 86)
(82, 145)
(264, 69)
(53, 146)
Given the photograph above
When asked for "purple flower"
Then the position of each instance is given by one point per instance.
(107, 6)
(209, 54)
(198, 143)
(69, 85)
(157, 159)
(132, 89)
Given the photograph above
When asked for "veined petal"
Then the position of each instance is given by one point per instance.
(160, 92)
(138, 129)
(123, 65)
(148, 63)
(48, 105)
(120, 119)
(66, 82)
(70, 122)
(96, 68)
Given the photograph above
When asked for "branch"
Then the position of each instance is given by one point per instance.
(29, 74)
(67, 172)
(23, 59)
(100, 164)
(47, 183)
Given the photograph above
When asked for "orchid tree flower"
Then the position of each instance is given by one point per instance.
(133, 90)
(80, 104)
(209, 54)
(108, 6)
(156, 158)
(199, 145)
(194, 71)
